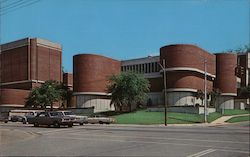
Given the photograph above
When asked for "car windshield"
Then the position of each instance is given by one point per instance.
(69, 113)
(55, 114)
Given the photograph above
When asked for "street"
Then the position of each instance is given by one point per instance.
(115, 140)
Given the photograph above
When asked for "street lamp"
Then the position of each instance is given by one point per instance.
(165, 89)
(205, 91)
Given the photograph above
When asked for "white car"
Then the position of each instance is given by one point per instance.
(101, 119)
(78, 119)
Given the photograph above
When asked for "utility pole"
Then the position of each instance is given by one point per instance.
(165, 89)
(205, 91)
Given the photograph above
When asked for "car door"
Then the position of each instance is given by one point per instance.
(42, 118)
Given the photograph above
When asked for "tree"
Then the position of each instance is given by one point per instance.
(45, 95)
(127, 89)
(245, 92)
(200, 95)
(215, 94)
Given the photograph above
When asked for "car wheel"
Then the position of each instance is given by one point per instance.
(107, 122)
(70, 125)
(100, 122)
(81, 123)
(36, 124)
(56, 125)
(24, 121)
(6, 121)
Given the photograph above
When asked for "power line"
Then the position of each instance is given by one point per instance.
(11, 4)
(14, 8)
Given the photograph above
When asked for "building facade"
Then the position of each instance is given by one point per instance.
(90, 73)
(26, 64)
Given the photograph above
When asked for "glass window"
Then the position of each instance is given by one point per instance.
(68, 113)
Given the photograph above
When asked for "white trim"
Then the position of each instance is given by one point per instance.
(91, 93)
(10, 48)
(48, 43)
(11, 105)
(15, 44)
(228, 94)
(188, 69)
(47, 46)
(181, 90)
(26, 42)
(24, 81)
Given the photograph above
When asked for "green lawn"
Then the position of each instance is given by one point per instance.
(239, 119)
(229, 112)
(144, 117)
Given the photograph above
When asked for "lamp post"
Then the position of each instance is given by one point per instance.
(205, 91)
(165, 90)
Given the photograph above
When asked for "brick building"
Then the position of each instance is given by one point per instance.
(185, 76)
(24, 65)
(27, 63)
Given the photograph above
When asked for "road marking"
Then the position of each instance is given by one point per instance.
(230, 149)
(161, 138)
(204, 152)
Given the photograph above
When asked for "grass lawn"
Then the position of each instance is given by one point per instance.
(144, 117)
(239, 119)
(229, 112)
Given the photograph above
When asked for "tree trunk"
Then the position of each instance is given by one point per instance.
(130, 107)
(51, 107)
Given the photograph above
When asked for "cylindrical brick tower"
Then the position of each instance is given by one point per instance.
(90, 80)
(226, 79)
(185, 72)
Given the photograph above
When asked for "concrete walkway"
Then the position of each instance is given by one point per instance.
(223, 119)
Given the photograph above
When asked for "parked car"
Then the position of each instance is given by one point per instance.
(22, 115)
(3, 118)
(101, 119)
(51, 118)
(77, 119)
(31, 114)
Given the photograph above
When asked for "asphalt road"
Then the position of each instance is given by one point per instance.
(113, 140)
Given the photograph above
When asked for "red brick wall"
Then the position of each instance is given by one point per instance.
(68, 79)
(187, 79)
(25, 86)
(156, 84)
(14, 64)
(91, 72)
(225, 72)
(48, 64)
(13, 96)
(187, 56)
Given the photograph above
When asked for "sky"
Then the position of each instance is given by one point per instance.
(127, 29)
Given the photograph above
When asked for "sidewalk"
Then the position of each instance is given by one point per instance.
(223, 119)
